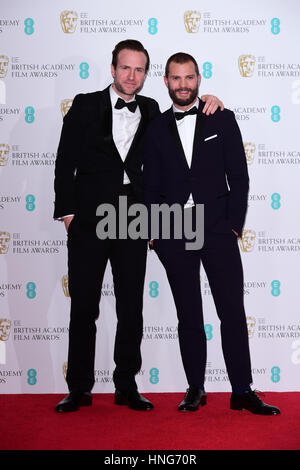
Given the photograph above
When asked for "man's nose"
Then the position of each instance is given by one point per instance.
(131, 74)
(183, 83)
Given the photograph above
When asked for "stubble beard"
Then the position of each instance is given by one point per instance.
(183, 102)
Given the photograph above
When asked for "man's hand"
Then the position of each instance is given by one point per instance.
(212, 103)
(68, 220)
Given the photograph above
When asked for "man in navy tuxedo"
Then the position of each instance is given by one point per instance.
(191, 159)
(99, 159)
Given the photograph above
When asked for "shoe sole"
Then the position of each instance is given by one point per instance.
(84, 402)
(202, 403)
(241, 408)
(123, 402)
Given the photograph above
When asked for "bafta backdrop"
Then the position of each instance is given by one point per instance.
(248, 57)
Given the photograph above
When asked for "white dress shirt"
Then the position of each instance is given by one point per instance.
(124, 127)
(186, 130)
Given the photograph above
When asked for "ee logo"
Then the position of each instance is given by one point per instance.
(31, 377)
(29, 114)
(30, 290)
(153, 289)
(208, 331)
(84, 70)
(275, 25)
(275, 374)
(154, 372)
(30, 202)
(275, 113)
(152, 26)
(275, 204)
(29, 29)
(275, 291)
(207, 70)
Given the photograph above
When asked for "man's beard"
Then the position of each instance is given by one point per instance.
(185, 101)
(122, 90)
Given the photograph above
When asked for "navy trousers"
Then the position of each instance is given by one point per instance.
(221, 261)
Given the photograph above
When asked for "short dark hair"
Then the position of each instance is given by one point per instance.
(132, 45)
(180, 58)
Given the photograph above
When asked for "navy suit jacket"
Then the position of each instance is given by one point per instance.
(217, 178)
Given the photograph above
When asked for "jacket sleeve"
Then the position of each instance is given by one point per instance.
(155, 111)
(236, 172)
(67, 159)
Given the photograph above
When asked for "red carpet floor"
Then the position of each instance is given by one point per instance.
(29, 422)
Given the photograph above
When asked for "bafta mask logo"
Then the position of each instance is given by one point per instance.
(251, 326)
(246, 65)
(4, 61)
(65, 285)
(65, 105)
(68, 21)
(4, 242)
(192, 21)
(5, 325)
(249, 151)
(247, 241)
(65, 370)
(4, 154)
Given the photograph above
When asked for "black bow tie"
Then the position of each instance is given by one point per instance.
(179, 116)
(132, 105)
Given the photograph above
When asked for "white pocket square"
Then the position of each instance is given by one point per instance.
(211, 137)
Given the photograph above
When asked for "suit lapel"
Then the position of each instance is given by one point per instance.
(141, 126)
(106, 122)
(172, 127)
(198, 132)
(106, 114)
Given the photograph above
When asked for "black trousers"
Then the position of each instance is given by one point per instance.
(221, 260)
(87, 261)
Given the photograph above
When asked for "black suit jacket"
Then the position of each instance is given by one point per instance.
(89, 170)
(218, 177)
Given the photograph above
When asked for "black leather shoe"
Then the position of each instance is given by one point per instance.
(251, 402)
(133, 399)
(194, 398)
(73, 401)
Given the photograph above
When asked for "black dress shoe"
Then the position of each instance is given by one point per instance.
(73, 401)
(251, 402)
(133, 399)
(194, 398)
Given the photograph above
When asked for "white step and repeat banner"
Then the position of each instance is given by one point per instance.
(248, 55)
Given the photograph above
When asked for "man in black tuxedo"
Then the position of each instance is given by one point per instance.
(192, 159)
(99, 159)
